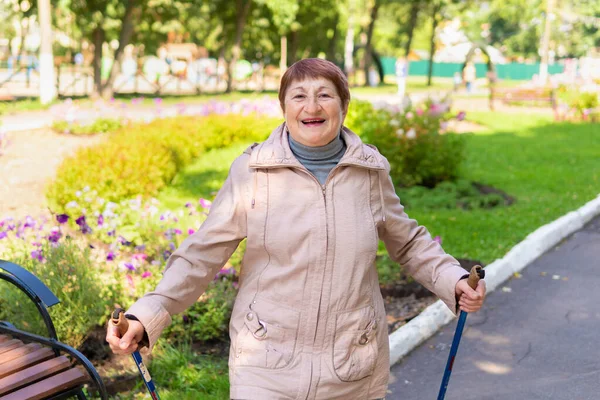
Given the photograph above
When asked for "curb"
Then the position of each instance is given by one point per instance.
(434, 317)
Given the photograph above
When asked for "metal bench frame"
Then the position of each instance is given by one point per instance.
(43, 298)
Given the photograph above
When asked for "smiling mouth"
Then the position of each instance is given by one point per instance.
(313, 121)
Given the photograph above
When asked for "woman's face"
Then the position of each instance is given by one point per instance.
(313, 111)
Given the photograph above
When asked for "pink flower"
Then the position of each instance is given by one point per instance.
(461, 115)
(146, 274)
(438, 239)
(419, 112)
(130, 281)
(204, 203)
(191, 231)
(139, 256)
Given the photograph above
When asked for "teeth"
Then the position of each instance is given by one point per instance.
(312, 120)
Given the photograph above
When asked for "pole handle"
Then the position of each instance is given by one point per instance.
(118, 319)
(475, 275)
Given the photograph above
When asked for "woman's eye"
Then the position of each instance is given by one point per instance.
(298, 96)
(325, 95)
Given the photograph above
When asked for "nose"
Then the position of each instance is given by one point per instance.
(312, 104)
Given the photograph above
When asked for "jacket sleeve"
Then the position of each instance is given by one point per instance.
(195, 263)
(411, 245)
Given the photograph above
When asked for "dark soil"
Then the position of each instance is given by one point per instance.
(486, 189)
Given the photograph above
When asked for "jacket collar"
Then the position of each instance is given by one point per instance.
(275, 152)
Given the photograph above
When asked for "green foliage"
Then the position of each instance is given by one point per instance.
(144, 158)
(181, 373)
(580, 102)
(101, 125)
(87, 293)
(449, 195)
(208, 318)
(411, 141)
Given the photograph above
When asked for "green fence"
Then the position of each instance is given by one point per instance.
(515, 71)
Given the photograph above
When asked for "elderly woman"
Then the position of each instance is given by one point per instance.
(312, 201)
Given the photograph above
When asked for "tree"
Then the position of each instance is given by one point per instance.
(46, 59)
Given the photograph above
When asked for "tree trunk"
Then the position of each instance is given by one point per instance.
(435, 15)
(415, 7)
(349, 46)
(243, 7)
(98, 37)
(368, 46)
(334, 39)
(283, 61)
(293, 53)
(47, 81)
(127, 26)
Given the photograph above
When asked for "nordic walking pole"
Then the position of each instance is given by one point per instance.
(119, 320)
(476, 274)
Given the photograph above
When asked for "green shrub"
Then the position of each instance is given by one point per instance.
(87, 298)
(144, 158)
(101, 125)
(208, 318)
(449, 195)
(413, 141)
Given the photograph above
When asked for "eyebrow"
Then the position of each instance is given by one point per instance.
(319, 88)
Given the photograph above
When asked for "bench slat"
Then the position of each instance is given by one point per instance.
(3, 338)
(18, 352)
(9, 345)
(33, 373)
(25, 361)
(55, 384)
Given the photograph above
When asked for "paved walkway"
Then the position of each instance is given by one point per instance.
(535, 338)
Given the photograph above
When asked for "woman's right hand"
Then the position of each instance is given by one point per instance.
(129, 342)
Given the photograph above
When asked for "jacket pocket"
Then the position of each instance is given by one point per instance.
(354, 346)
(268, 337)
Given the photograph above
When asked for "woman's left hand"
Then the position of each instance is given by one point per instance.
(470, 300)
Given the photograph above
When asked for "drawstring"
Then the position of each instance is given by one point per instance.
(254, 188)
(381, 195)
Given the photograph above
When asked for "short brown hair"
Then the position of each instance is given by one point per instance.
(314, 68)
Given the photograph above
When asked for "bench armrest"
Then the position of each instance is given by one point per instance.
(36, 290)
(31, 283)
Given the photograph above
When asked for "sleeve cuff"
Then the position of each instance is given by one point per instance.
(153, 316)
(446, 286)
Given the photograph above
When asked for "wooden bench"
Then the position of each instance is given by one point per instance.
(34, 367)
(530, 96)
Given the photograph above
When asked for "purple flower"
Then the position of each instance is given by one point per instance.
(100, 220)
(37, 254)
(129, 266)
(178, 231)
(85, 229)
(111, 233)
(438, 239)
(29, 222)
(235, 285)
(191, 231)
(3, 235)
(188, 204)
(166, 254)
(146, 274)
(172, 246)
(110, 256)
(461, 115)
(124, 241)
(54, 236)
(80, 221)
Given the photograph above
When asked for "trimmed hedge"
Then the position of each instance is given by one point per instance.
(143, 158)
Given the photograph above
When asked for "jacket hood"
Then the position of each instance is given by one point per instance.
(275, 152)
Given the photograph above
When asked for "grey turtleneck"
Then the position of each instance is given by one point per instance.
(319, 160)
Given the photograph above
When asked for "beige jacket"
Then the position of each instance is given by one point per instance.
(309, 320)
